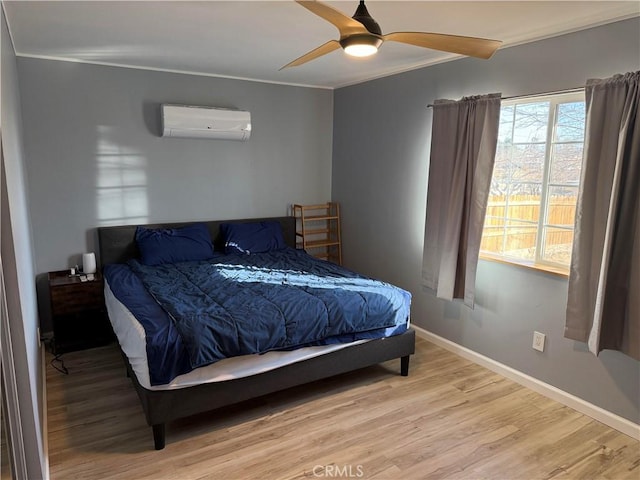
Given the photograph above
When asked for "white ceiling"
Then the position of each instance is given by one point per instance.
(253, 39)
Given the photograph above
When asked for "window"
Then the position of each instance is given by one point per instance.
(534, 188)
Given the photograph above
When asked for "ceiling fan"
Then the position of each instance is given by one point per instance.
(361, 36)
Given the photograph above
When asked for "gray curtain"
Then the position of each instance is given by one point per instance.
(603, 307)
(463, 147)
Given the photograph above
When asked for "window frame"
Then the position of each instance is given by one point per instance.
(539, 262)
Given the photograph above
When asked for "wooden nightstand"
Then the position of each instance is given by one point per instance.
(78, 313)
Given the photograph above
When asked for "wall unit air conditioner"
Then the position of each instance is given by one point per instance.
(205, 122)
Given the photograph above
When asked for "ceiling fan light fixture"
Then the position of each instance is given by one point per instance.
(361, 45)
(360, 50)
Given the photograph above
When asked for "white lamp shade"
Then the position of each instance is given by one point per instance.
(89, 263)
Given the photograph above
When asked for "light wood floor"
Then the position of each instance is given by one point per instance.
(450, 419)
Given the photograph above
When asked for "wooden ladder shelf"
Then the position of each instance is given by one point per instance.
(318, 230)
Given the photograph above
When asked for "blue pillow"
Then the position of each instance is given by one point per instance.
(248, 238)
(171, 245)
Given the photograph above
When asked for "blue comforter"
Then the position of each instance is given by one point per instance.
(243, 304)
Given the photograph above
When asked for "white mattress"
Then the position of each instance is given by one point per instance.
(131, 337)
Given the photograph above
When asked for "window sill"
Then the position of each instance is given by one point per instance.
(558, 271)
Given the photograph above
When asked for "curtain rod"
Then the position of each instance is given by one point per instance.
(539, 94)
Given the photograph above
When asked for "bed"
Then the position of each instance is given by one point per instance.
(228, 381)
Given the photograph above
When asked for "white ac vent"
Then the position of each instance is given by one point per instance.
(205, 122)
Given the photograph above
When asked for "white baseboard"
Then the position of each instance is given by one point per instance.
(610, 419)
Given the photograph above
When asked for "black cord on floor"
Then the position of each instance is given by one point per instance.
(57, 359)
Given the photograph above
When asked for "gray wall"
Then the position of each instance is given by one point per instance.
(380, 170)
(95, 155)
(18, 271)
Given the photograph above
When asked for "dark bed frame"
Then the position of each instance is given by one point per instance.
(117, 245)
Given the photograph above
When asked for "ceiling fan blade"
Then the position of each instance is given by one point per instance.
(346, 25)
(470, 46)
(328, 47)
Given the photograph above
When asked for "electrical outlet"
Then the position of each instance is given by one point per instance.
(538, 341)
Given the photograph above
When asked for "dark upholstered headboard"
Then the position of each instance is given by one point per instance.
(117, 244)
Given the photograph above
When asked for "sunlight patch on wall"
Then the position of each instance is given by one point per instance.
(121, 183)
